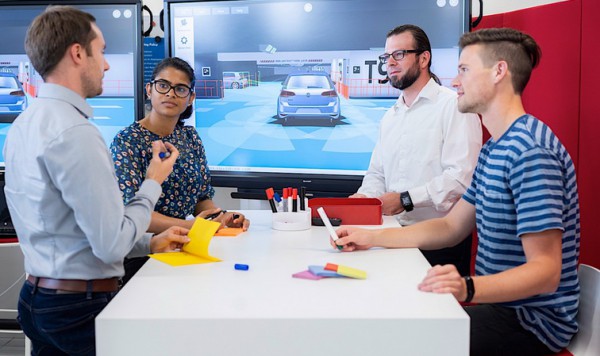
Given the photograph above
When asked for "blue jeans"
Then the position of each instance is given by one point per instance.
(60, 323)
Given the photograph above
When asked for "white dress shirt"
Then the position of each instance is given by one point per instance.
(428, 149)
(63, 196)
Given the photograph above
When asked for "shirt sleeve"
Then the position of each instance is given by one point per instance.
(129, 165)
(536, 181)
(462, 142)
(80, 166)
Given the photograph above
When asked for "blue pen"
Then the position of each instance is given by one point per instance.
(163, 155)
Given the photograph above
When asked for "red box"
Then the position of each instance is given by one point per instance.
(352, 211)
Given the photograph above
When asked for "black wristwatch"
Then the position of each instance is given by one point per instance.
(406, 201)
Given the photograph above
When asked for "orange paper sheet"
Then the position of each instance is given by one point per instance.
(229, 231)
(195, 251)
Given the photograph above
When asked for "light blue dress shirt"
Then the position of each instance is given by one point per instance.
(63, 196)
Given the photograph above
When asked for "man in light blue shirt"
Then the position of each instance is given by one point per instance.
(63, 195)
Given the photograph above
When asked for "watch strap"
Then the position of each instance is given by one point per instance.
(470, 289)
(406, 201)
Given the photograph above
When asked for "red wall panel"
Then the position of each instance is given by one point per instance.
(562, 93)
(589, 160)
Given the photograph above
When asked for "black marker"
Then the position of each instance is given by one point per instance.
(214, 215)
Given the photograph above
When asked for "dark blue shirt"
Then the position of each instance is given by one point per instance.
(188, 184)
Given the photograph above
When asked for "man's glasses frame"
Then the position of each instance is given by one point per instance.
(180, 90)
(398, 55)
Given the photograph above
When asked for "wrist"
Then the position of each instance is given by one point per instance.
(470, 289)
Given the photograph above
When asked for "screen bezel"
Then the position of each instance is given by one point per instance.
(251, 184)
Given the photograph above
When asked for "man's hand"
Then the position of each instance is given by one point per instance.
(390, 203)
(444, 279)
(169, 240)
(159, 169)
(357, 195)
(352, 238)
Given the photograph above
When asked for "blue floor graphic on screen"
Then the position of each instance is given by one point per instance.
(243, 130)
(110, 116)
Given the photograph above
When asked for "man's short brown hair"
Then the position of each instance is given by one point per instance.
(53, 32)
(519, 50)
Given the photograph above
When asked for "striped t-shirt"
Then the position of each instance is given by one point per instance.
(525, 183)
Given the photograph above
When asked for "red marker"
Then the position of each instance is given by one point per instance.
(295, 200)
(270, 193)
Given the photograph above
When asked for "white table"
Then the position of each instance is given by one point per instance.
(213, 309)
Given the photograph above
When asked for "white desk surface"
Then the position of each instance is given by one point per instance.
(213, 309)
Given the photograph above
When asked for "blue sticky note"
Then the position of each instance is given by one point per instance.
(321, 272)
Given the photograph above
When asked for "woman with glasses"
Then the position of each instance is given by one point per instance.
(188, 190)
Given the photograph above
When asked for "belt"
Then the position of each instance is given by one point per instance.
(76, 285)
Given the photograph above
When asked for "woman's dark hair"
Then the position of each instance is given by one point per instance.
(183, 66)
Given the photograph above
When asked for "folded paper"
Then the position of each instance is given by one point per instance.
(195, 251)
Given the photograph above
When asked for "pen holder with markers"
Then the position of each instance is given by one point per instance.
(292, 221)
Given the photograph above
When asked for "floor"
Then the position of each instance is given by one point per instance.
(12, 344)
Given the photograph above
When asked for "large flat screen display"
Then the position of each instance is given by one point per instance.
(120, 22)
(292, 92)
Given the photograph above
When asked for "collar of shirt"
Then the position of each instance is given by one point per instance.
(59, 92)
(429, 91)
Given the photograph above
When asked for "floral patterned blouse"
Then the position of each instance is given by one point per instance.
(188, 184)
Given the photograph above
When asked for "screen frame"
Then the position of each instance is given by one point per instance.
(251, 184)
(138, 75)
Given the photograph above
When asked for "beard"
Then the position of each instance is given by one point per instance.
(91, 87)
(408, 79)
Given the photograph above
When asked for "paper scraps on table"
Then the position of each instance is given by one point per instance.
(195, 251)
(330, 270)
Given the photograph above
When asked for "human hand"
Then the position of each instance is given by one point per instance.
(210, 214)
(444, 279)
(357, 195)
(233, 219)
(390, 203)
(171, 239)
(159, 169)
(352, 238)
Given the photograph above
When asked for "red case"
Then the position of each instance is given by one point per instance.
(352, 211)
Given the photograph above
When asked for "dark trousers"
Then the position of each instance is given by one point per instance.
(496, 330)
(132, 265)
(459, 255)
(60, 323)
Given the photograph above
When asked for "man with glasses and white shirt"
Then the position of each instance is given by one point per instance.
(427, 150)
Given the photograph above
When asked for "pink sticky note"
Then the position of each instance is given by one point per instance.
(306, 275)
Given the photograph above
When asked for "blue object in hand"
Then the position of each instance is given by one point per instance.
(241, 267)
(163, 155)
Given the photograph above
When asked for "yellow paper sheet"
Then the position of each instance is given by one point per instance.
(195, 251)
(351, 272)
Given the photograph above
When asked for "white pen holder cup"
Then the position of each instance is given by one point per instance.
(288, 221)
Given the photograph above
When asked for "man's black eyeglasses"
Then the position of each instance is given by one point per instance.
(180, 90)
(398, 55)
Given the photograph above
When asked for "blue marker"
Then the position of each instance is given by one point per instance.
(163, 155)
(241, 267)
(279, 201)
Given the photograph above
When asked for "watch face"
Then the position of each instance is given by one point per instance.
(405, 200)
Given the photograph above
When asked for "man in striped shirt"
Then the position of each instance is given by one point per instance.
(523, 199)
